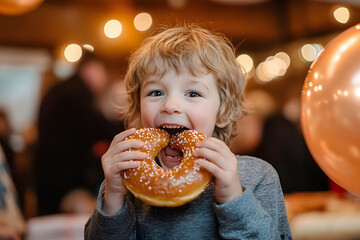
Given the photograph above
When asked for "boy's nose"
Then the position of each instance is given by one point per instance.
(171, 106)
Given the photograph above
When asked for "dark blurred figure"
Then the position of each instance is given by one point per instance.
(73, 135)
(284, 147)
(5, 133)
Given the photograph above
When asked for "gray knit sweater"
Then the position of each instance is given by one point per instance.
(259, 213)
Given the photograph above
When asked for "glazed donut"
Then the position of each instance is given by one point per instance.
(161, 187)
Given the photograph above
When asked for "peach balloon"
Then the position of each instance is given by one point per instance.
(330, 109)
(17, 7)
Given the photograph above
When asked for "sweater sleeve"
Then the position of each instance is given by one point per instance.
(121, 225)
(259, 213)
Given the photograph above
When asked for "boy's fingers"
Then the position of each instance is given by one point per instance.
(124, 146)
(211, 167)
(121, 136)
(124, 157)
(121, 166)
(209, 155)
(215, 145)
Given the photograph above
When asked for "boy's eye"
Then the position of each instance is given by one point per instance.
(192, 94)
(156, 93)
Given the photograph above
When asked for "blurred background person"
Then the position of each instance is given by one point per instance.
(73, 135)
(259, 105)
(5, 135)
(283, 146)
(272, 132)
(12, 157)
(12, 224)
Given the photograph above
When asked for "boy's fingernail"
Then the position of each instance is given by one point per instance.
(198, 162)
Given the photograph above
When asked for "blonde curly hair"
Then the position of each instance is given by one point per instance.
(197, 50)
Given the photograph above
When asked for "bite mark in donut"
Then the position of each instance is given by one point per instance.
(167, 187)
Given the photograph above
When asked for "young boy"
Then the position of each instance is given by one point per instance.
(188, 78)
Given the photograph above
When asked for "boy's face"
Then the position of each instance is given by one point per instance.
(179, 101)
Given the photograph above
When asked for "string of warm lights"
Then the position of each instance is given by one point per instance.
(112, 29)
(267, 70)
(277, 65)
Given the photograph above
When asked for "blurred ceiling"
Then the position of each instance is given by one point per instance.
(255, 24)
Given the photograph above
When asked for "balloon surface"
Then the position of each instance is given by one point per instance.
(330, 109)
(17, 7)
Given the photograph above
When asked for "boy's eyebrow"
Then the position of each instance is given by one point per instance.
(196, 82)
(148, 82)
(192, 81)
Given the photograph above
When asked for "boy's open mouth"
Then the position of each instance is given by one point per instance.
(173, 129)
(170, 157)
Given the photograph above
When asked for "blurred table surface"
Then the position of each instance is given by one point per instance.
(323, 215)
(56, 227)
(312, 216)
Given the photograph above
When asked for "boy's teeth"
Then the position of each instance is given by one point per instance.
(171, 126)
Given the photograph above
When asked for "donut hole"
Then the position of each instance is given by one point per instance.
(169, 157)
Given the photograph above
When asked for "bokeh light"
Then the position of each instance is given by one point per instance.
(88, 47)
(73, 52)
(246, 62)
(143, 21)
(113, 28)
(342, 15)
(261, 73)
(309, 52)
(273, 67)
(284, 57)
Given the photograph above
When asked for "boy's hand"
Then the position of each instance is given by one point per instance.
(115, 160)
(7, 233)
(217, 158)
